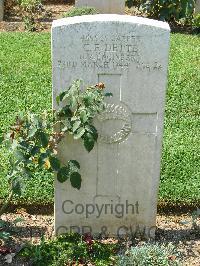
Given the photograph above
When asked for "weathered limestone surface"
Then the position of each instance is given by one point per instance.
(104, 6)
(121, 175)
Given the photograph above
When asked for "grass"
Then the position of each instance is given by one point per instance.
(25, 82)
(180, 177)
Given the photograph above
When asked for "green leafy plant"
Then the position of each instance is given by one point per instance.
(71, 249)
(7, 228)
(29, 23)
(151, 255)
(80, 11)
(33, 140)
(196, 21)
(31, 11)
(130, 3)
(169, 9)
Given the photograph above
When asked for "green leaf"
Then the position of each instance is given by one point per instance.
(14, 144)
(108, 94)
(74, 118)
(35, 120)
(91, 129)
(35, 150)
(76, 125)
(32, 132)
(44, 139)
(4, 235)
(74, 165)
(60, 97)
(89, 141)
(79, 133)
(73, 102)
(66, 111)
(66, 125)
(75, 179)
(65, 96)
(63, 174)
(1, 139)
(19, 155)
(24, 145)
(65, 129)
(55, 163)
(2, 224)
(42, 158)
(83, 116)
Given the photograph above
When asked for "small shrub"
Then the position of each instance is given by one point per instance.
(71, 249)
(32, 10)
(149, 254)
(169, 9)
(8, 6)
(196, 20)
(32, 141)
(80, 11)
(7, 228)
(29, 23)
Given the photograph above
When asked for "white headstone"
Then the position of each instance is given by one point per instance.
(1, 9)
(103, 6)
(121, 174)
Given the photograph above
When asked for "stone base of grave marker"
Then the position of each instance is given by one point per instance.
(104, 6)
(120, 175)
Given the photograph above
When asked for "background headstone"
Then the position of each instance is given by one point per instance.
(121, 174)
(1, 9)
(197, 6)
(104, 6)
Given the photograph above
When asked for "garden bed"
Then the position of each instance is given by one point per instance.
(174, 229)
(13, 17)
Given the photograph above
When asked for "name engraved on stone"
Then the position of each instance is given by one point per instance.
(111, 53)
(121, 117)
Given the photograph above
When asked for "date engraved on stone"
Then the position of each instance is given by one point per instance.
(115, 123)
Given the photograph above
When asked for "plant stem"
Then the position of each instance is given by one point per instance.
(6, 204)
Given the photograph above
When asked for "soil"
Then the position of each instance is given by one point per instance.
(55, 8)
(175, 229)
(13, 17)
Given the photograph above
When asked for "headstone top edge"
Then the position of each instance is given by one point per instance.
(110, 18)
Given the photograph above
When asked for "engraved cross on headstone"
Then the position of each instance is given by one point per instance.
(114, 127)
